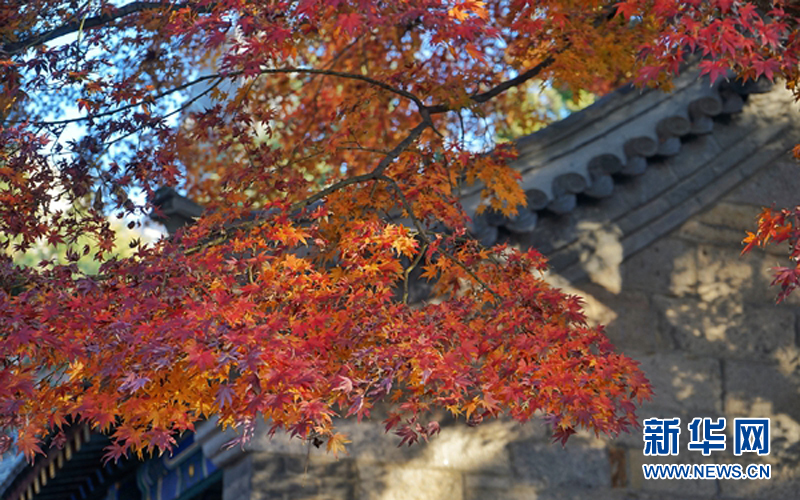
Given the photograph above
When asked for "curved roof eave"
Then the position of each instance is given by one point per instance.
(618, 137)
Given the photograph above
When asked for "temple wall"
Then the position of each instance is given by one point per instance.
(703, 322)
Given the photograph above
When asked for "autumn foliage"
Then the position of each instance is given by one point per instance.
(329, 141)
(776, 227)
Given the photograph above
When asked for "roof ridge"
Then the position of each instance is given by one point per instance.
(616, 137)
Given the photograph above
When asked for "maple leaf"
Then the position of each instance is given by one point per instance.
(28, 445)
(350, 23)
(337, 444)
(767, 68)
(404, 245)
(407, 433)
(627, 9)
(474, 52)
(132, 382)
(562, 434)
(714, 69)
(201, 357)
(345, 385)
(114, 452)
(224, 397)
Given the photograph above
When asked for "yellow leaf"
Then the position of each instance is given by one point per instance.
(336, 443)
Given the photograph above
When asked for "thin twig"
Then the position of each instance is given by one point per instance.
(363, 149)
(424, 235)
(235, 74)
(315, 99)
(121, 108)
(182, 107)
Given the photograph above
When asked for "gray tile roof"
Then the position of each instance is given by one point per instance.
(757, 126)
(586, 155)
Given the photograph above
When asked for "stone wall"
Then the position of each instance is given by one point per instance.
(703, 322)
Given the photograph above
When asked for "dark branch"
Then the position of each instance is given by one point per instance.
(94, 22)
(350, 76)
(499, 89)
(394, 153)
(121, 108)
(374, 175)
(377, 173)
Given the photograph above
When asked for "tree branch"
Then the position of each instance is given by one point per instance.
(409, 270)
(93, 22)
(351, 76)
(499, 89)
(376, 174)
(394, 153)
(121, 108)
(234, 74)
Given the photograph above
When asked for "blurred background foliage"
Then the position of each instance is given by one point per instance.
(126, 243)
(540, 105)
